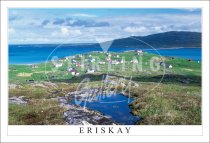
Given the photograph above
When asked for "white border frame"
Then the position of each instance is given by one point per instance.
(148, 133)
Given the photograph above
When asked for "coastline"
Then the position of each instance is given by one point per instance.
(175, 48)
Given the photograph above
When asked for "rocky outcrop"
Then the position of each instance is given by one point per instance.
(14, 86)
(77, 115)
(17, 100)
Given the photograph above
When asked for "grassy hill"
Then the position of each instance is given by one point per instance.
(176, 98)
(162, 40)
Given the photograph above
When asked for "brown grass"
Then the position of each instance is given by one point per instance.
(164, 107)
(23, 74)
(37, 112)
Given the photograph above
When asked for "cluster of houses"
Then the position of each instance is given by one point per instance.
(57, 65)
(34, 66)
(91, 59)
(77, 64)
(115, 61)
(102, 62)
(139, 52)
(90, 71)
(60, 62)
(169, 66)
(73, 71)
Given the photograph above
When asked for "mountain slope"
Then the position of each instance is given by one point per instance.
(162, 40)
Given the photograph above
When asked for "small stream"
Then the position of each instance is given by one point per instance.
(115, 106)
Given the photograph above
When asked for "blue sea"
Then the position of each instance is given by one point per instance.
(31, 54)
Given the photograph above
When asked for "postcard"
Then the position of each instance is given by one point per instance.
(127, 70)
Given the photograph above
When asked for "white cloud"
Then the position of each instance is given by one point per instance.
(190, 9)
(72, 32)
(84, 15)
(103, 39)
(31, 40)
(11, 30)
(64, 31)
(28, 26)
(135, 29)
(75, 32)
(158, 28)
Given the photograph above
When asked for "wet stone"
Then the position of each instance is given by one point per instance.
(77, 115)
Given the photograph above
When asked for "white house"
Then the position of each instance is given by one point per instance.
(134, 61)
(109, 54)
(102, 62)
(139, 52)
(57, 65)
(34, 66)
(66, 59)
(69, 69)
(79, 64)
(108, 58)
(90, 71)
(166, 65)
(121, 61)
(92, 60)
(74, 61)
(74, 72)
(170, 66)
(115, 62)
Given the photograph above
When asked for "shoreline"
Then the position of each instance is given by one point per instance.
(29, 64)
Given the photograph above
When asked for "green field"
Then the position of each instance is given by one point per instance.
(168, 96)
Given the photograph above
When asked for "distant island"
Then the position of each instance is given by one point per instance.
(171, 39)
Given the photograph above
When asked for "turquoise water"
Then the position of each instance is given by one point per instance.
(187, 53)
(30, 54)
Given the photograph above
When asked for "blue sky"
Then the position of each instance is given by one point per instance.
(31, 26)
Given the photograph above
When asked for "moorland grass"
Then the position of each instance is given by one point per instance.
(175, 101)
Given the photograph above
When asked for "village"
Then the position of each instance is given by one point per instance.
(127, 63)
(90, 63)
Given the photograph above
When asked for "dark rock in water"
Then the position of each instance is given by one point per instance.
(77, 115)
(17, 100)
